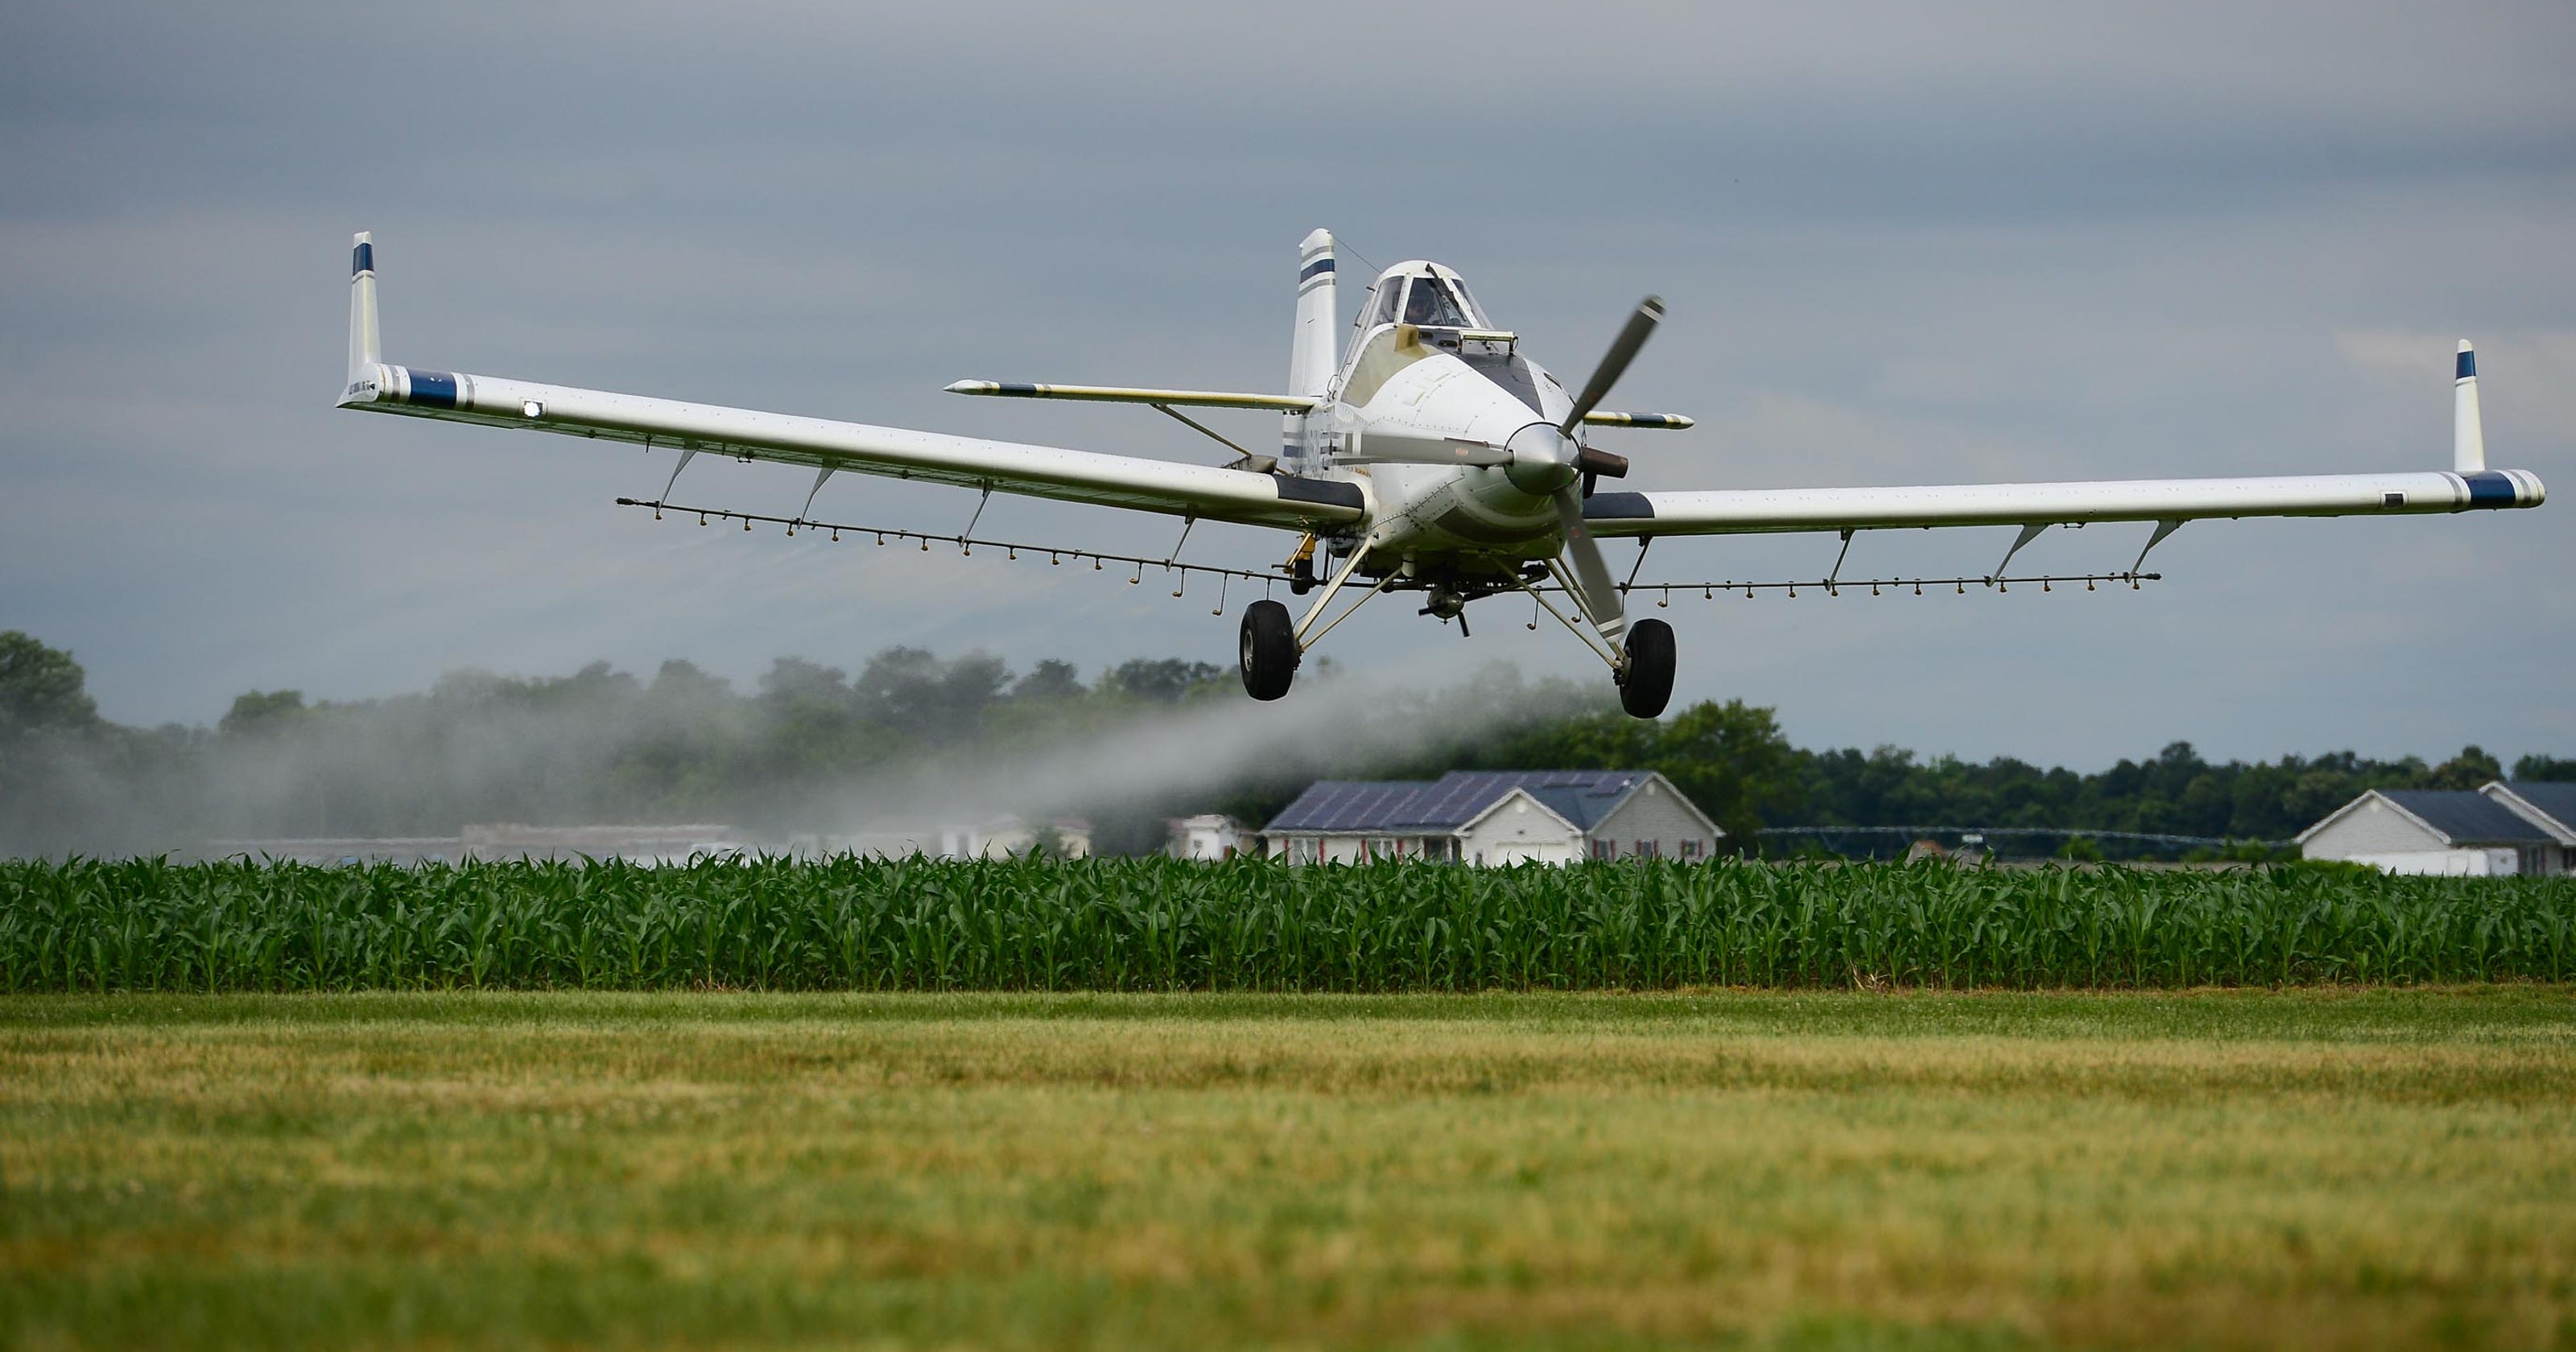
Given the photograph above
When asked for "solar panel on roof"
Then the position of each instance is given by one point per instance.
(2466, 816)
(2557, 800)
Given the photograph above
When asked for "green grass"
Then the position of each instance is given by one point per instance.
(1153, 924)
(2336, 1168)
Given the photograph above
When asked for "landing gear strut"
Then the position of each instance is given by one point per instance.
(1270, 654)
(1647, 685)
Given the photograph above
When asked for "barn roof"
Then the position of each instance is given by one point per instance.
(2557, 802)
(1582, 797)
(2467, 817)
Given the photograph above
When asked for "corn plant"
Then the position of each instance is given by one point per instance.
(1156, 924)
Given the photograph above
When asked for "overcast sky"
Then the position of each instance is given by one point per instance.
(1899, 243)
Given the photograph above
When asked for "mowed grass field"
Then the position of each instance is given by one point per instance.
(2322, 1169)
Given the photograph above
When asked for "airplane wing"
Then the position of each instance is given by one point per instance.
(1750, 511)
(1136, 482)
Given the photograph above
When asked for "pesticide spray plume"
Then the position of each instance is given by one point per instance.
(604, 748)
(1199, 752)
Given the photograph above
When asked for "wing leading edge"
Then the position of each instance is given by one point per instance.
(1133, 482)
(1752, 511)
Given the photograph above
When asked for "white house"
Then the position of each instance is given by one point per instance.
(2551, 807)
(2443, 831)
(1494, 817)
(1209, 837)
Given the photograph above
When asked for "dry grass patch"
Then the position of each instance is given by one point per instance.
(2355, 1169)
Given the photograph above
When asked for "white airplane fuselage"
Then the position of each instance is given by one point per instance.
(1440, 519)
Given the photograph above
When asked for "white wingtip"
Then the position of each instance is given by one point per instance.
(2468, 431)
(366, 348)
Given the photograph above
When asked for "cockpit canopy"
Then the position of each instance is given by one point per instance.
(1425, 295)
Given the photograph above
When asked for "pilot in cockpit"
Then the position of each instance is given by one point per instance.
(1429, 305)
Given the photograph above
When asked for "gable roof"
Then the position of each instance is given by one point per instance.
(1523, 796)
(2466, 817)
(1582, 797)
(2555, 802)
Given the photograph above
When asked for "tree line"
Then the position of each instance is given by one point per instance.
(810, 745)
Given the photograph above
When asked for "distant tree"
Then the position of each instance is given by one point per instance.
(2080, 849)
(912, 690)
(256, 712)
(1165, 680)
(2467, 770)
(682, 680)
(1050, 679)
(41, 688)
(794, 688)
(1733, 761)
(2550, 768)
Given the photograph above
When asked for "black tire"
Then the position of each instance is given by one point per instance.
(1269, 650)
(1649, 684)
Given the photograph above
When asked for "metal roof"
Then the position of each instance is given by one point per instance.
(2557, 800)
(2467, 817)
(1582, 797)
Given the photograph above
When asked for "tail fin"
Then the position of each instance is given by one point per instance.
(2468, 434)
(1311, 362)
(366, 350)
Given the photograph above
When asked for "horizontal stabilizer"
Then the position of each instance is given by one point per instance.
(1115, 394)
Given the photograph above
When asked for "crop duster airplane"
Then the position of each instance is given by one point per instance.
(1434, 457)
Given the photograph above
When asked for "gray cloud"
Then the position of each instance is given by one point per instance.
(1901, 244)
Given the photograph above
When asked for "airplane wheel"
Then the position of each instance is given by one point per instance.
(1649, 686)
(1270, 650)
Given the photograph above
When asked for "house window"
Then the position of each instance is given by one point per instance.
(1301, 849)
(1649, 849)
(1690, 848)
(1605, 849)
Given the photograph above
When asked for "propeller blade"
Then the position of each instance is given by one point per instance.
(1400, 448)
(1595, 588)
(1614, 363)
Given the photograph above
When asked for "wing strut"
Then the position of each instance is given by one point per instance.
(819, 476)
(688, 453)
(2163, 528)
(2028, 533)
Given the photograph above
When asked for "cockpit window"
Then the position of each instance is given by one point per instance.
(1430, 305)
(1475, 312)
(1383, 311)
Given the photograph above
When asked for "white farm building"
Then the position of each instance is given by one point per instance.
(1494, 817)
(2497, 830)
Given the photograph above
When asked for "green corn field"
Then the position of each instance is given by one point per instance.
(1156, 924)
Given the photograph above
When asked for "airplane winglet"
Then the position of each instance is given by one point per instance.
(366, 350)
(2468, 433)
